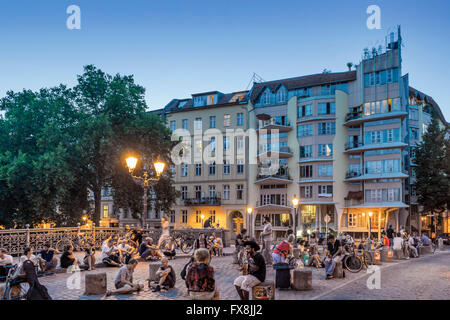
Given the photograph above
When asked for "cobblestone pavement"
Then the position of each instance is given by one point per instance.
(425, 278)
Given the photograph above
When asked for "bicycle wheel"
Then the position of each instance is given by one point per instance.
(186, 246)
(367, 258)
(353, 263)
(17, 292)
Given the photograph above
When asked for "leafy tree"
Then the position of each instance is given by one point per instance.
(432, 184)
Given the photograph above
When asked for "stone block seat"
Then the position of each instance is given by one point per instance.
(95, 283)
(302, 280)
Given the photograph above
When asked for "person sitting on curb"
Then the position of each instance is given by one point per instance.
(109, 254)
(6, 261)
(333, 255)
(412, 244)
(148, 251)
(47, 259)
(125, 251)
(67, 259)
(124, 280)
(166, 276)
(256, 271)
(200, 280)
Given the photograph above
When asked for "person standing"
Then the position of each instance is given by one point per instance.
(165, 231)
(390, 235)
(267, 241)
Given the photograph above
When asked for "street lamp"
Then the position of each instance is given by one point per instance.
(145, 178)
(295, 202)
(202, 217)
(249, 211)
(370, 224)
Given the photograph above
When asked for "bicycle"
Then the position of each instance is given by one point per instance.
(15, 288)
(352, 261)
(182, 242)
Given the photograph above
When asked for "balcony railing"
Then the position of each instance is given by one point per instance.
(279, 149)
(273, 122)
(352, 174)
(205, 201)
(353, 145)
(353, 115)
(282, 173)
(271, 202)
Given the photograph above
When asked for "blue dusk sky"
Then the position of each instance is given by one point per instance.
(176, 48)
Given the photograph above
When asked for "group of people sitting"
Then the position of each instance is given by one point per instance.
(213, 244)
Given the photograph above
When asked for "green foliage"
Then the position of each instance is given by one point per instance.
(58, 143)
(432, 183)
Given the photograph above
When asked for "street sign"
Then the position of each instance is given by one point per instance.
(327, 218)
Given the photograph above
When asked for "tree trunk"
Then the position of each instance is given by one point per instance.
(97, 205)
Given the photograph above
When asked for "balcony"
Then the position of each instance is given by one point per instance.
(368, 175)
(281, 126)
(356, 118)
(205, 201)
(352, 174)
(273, 204)
(280, 177)
(282, 152)
(361, 147)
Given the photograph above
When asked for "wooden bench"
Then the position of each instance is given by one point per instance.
(302, 280)
(264, 291)
(95, 283)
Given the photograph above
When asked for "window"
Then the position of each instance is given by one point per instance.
(198, 192)
(184, 169)
(226, 120)
(211, 99)
(172, 216)
(414, 133)
(105, 211)
(240, 119)
(226, 167)
(226, 192)
(212, 144)
(198, 215)
(306, 171)
(212, 168)
(212, 214)
(305, 130)
(240, 191)
(325, 190)
(226, 143)
(185, 124)
(173, 125)
(183, 216)
(198, 144)
(198, 169)
(240, 166)
(239, 142)
(212, 121)
(305, 111)
(306, 151)
(327, 128)
(413, 114)
(265, 97)
(198, 123)
(306, 192)
(212, 192)
(325, 170)
(183, 193)
(281, 94)
(199, 101)
(325, 150)
(327, 108)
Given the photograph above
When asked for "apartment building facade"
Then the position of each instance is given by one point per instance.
(342, 143)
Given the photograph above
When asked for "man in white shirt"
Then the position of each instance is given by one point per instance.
(267, 241)
(125, 251)
(165, 231)
(109, 258)
(5, 260)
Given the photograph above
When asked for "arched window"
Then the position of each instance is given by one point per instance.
(281, 94)
(265, 97)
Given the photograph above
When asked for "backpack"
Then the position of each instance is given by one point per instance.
(183, 273)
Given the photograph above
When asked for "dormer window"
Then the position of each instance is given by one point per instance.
(281, 94)
(265, 97)
(199, 101)
(211, 99)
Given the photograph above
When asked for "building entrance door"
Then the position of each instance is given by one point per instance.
(237, 222)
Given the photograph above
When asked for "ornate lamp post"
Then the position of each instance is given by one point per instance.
(295, 202)
(249, 212)
(145, 178)
(370, 224)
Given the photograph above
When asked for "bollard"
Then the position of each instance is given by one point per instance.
(27, 240)
(152, 268)
(338, 272)
(302, 280)
(95, 283)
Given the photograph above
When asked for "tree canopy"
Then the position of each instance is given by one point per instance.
(58, 143)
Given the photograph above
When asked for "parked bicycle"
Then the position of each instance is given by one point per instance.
(15, 288)
(183, 242)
